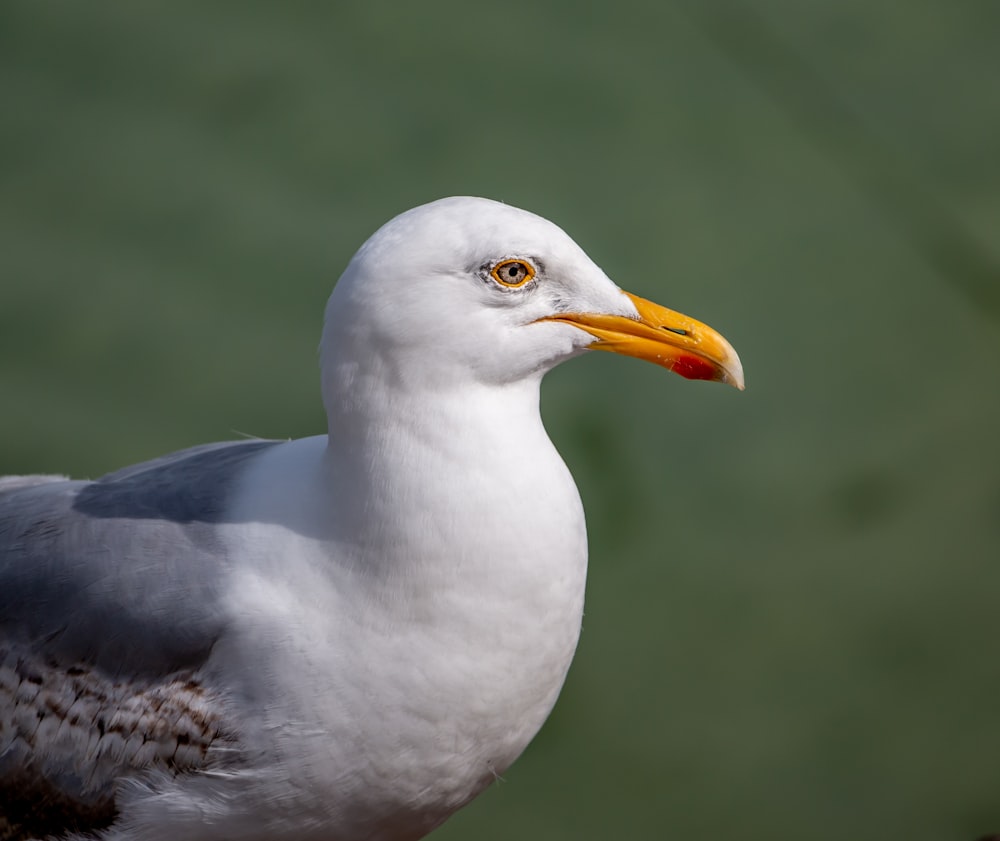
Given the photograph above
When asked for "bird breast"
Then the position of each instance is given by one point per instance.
(466, 595)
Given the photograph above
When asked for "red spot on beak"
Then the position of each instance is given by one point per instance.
(694, 368)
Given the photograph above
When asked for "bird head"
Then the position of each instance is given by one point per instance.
(471, 289)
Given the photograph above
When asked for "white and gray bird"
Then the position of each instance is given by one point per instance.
(347, 636)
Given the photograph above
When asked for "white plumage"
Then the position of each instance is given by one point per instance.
(341, 637)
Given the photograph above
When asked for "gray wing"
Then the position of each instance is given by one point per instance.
(109, 603)
(122, 573)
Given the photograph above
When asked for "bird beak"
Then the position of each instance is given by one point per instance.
(675, 341)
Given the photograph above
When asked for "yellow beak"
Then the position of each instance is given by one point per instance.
(675, 341)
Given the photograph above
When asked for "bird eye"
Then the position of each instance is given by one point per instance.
(512, 273)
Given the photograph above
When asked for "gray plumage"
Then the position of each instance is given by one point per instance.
(93, 576)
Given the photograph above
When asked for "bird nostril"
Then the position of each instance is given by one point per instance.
(676, 330)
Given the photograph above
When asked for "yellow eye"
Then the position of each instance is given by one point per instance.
(513, 273)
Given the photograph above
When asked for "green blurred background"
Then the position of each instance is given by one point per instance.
(793, 603)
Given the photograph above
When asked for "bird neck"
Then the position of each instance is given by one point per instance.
(371, 412)
(470, 467)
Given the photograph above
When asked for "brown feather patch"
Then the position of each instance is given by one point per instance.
(69, 734)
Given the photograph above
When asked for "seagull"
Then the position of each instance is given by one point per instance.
(341, 637)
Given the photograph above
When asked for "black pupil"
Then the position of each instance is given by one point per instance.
(516, 272)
